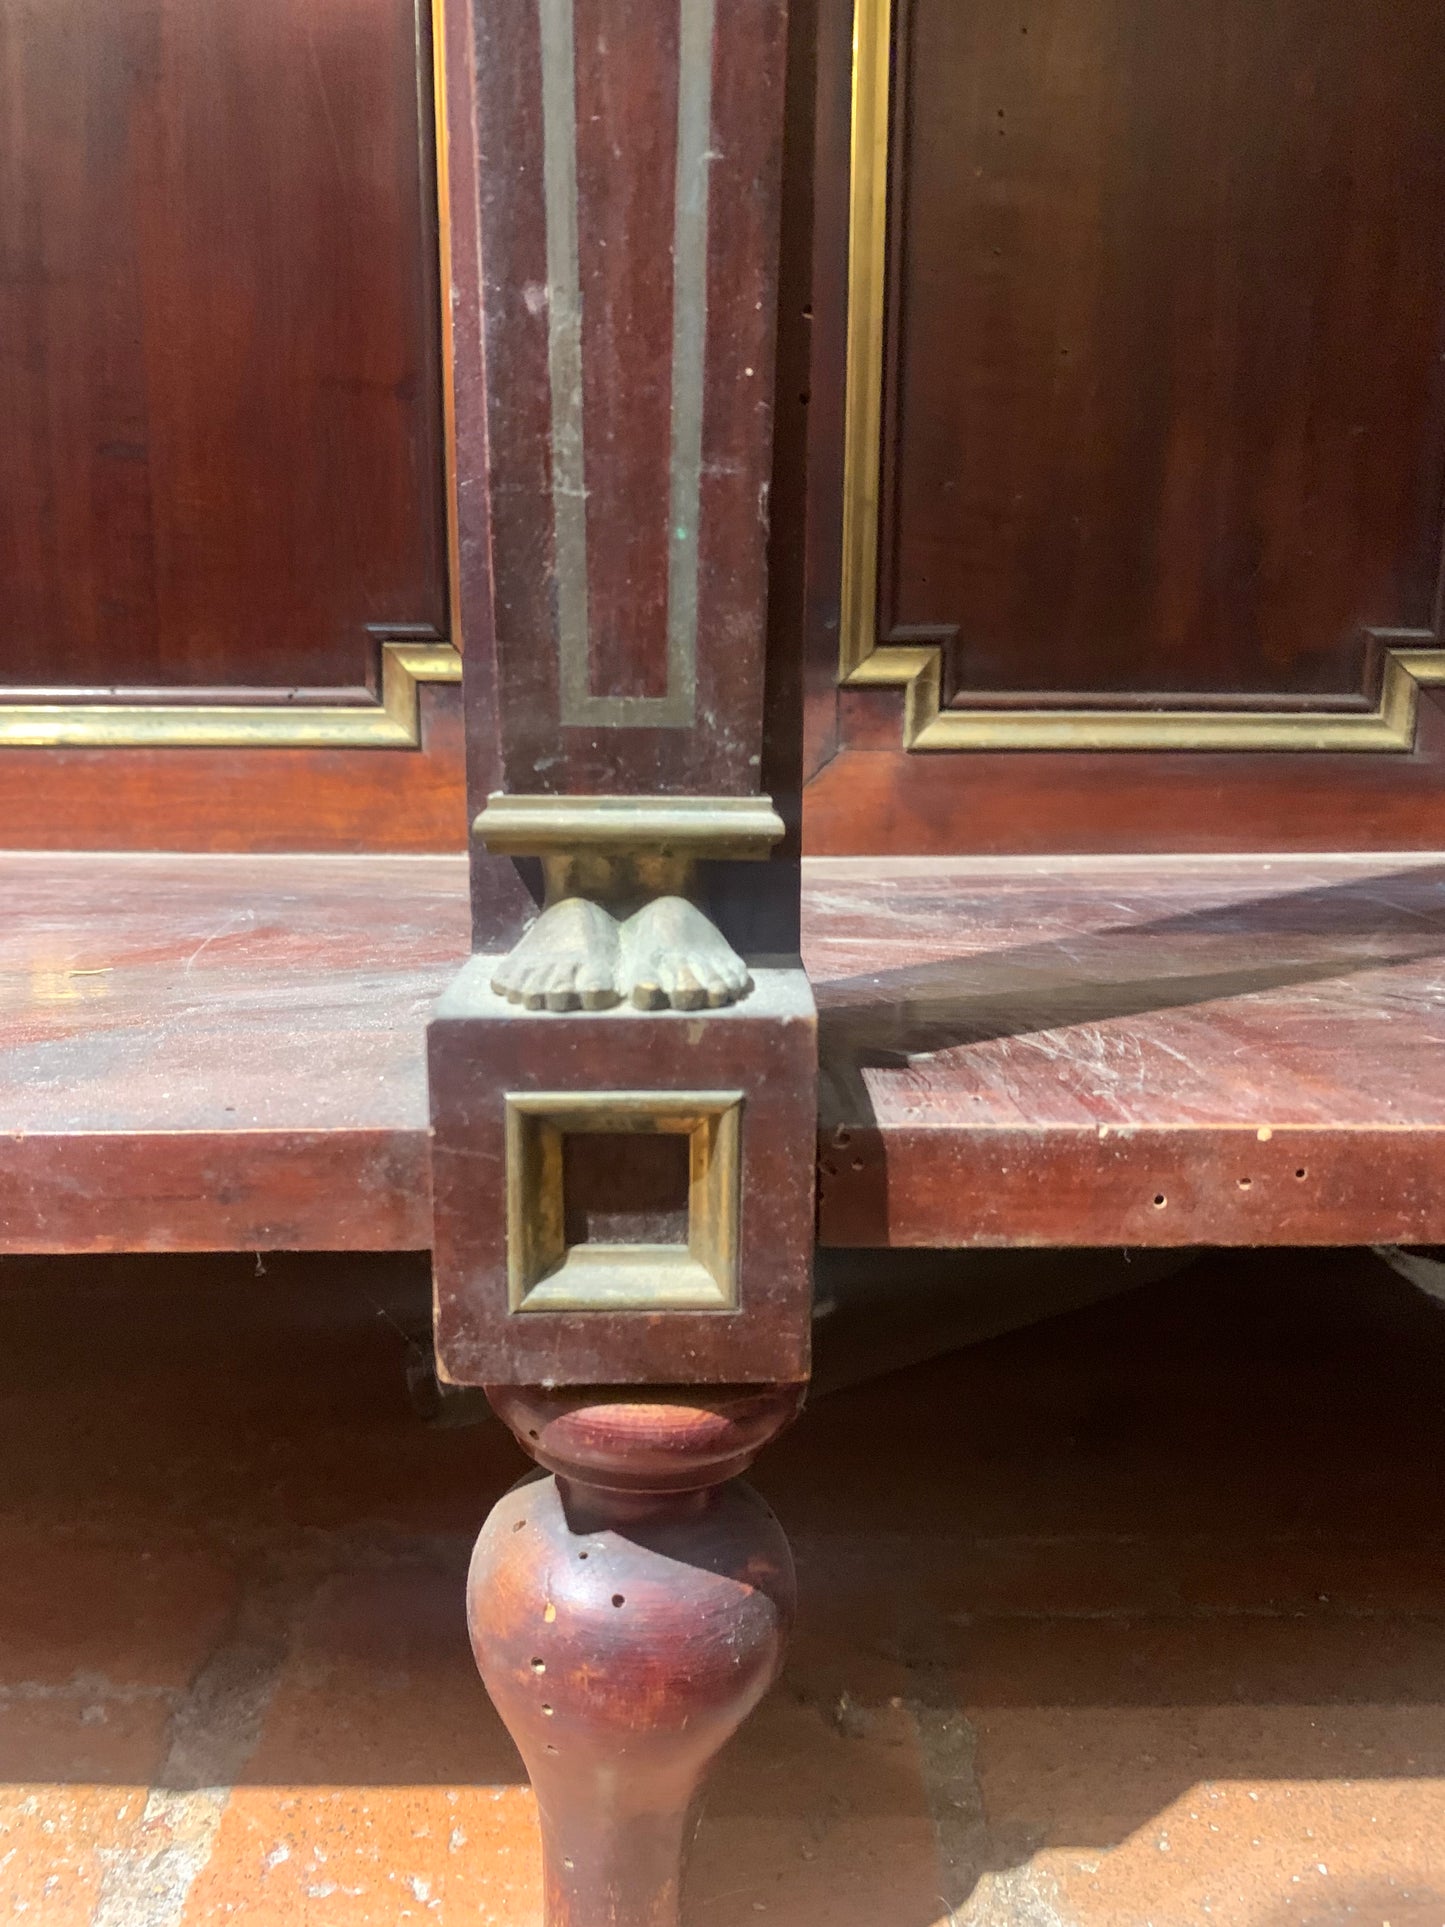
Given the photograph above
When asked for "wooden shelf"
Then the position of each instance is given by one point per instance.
(221, 1052)
(1131, 1051)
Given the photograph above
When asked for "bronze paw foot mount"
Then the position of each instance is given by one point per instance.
(623, 919)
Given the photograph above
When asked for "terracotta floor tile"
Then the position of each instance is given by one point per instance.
(1238, 1817)
(383, 1789)
(118, 1610)
(73, 1781)
(819, 1817)
(1134, 1619)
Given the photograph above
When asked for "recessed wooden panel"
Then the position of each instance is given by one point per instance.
(221, 459)
(1164, 409)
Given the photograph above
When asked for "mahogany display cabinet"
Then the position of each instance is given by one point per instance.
(642, 634)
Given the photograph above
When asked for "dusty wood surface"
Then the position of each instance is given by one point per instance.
(1109, 1051)
(220, 1052)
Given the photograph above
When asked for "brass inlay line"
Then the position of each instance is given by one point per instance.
(689, 340)
(1413, 657)
(564, 350)
(580, 706)
(392, 723)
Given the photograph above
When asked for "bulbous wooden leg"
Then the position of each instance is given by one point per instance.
(627, 1614)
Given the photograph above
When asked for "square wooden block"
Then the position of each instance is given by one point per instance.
(622, 1196)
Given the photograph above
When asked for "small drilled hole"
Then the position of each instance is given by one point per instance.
(539, 1665)
(1245, 1183)
(1160, 1200)
(549, 1748)
(582, 1555)
(1301, 1173)
(518, 1526)
(548, 1711)
(533, 1435)
(618, 1600)
(568, 1865)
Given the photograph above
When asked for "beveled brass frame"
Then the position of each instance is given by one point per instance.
(545, 1274)
(391, 721)
(1411, 658)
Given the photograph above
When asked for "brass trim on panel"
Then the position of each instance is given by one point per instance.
(1412, 658)
(1389, 726)
(392, 722)
(867, 279)
(441, 147)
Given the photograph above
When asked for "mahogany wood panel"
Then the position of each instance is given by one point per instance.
(245, 800)
(219, 362)
(220, 1052)
(886, 801)
(872, 801)
(1166, 406)
(1105, 1052)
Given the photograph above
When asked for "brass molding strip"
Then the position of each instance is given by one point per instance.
(393, 722)
(1390, 726)
(737, 827)
(1414, 660)
(441, 148)
(867, 280)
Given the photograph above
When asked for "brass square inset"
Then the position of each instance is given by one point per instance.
(698, 1272)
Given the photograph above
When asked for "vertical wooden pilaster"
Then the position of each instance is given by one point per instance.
(623, 1170)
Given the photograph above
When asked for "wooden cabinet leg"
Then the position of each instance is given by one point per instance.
(627, 1614)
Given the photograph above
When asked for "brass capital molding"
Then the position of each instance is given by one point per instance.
(391, 722)
(734, 827)
(1412, 658)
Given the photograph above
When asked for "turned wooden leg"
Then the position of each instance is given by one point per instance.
(627, 1614)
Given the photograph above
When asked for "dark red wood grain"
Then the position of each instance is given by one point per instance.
(1233, 467)
(1167, 410)
(219, 367)
(626, 107)
(217, 1052)
(246, 801)
(627, 1614)
(1116, 1052)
